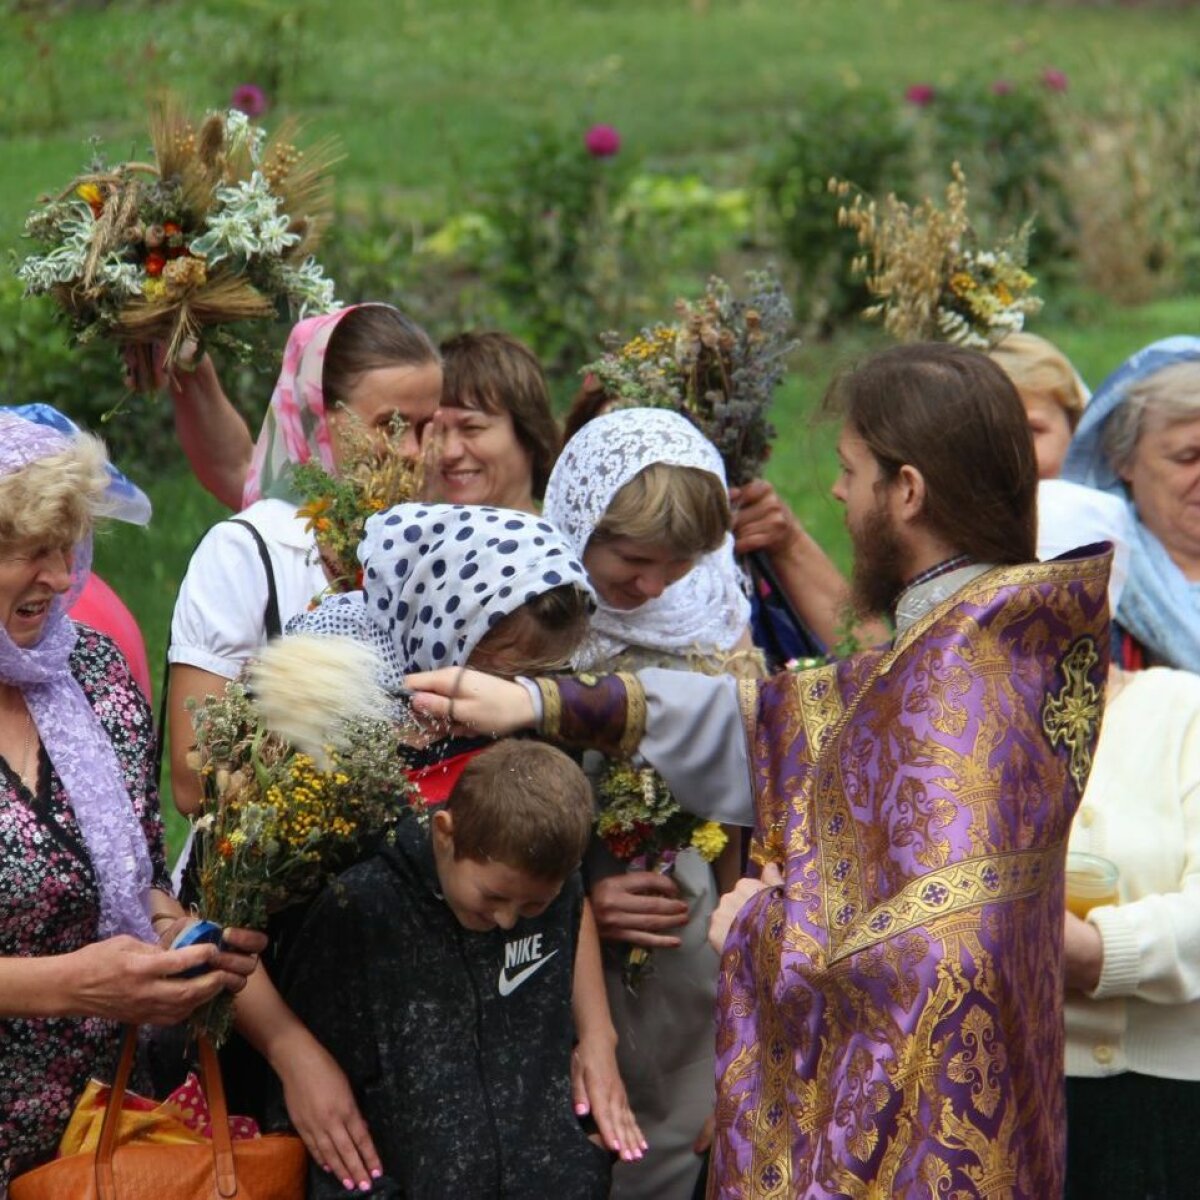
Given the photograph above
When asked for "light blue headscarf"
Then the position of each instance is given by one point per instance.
(1159, 606)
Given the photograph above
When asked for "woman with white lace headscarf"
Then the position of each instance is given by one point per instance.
(641, 497)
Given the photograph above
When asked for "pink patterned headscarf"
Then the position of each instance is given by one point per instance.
(296, 427)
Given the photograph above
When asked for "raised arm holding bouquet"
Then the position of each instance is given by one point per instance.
(218, 229)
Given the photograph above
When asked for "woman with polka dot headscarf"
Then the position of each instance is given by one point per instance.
(450, 585)
(502, 590)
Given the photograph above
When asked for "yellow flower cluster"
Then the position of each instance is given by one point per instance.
(306, 808)
(652, 343)
(708, 840)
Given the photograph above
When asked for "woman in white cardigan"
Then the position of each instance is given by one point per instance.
(1133, 969)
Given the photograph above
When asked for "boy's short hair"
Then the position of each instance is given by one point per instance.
(523, 804)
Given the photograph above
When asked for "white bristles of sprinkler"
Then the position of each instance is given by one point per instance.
(307, 688)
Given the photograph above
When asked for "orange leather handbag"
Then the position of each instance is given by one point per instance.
(266, 1168)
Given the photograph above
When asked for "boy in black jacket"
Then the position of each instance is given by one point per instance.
(439, 973)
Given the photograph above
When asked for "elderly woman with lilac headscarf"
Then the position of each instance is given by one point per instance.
(85, 909)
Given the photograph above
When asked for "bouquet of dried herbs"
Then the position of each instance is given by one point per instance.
(933, 280)
(301, 771)
(719, 365)
(217, 229)
(374, 475)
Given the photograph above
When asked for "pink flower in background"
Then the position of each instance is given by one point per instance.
(920, 94)
(250, 99)
(1002, 87)
(1055, 79)
(602, 141)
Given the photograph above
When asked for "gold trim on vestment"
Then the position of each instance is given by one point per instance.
(635, 714)
(961, 885)
(551, 723)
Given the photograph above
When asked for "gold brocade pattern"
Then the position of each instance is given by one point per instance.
(900, 1008)
(635, 713)
(551, 707)
(942, 893)
(1073, 716)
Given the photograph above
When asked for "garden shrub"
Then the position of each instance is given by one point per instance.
(1006, 138)
(1131, 176)
(854, 134)
(557, 260)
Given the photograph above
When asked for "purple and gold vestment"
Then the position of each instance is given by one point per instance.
(890, 1021)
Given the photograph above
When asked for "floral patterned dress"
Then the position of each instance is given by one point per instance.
(50, 904)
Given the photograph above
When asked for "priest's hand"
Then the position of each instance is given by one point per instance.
(733, 902)
(471, 702)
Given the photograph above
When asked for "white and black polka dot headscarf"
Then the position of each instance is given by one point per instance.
(438, 577)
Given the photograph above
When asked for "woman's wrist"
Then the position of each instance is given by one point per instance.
(288, 1050)
(53, 989)
(601, 1033)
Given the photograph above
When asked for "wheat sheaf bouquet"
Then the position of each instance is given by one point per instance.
(218, 228)
(302, 772)
(933, 280)
(374, 475)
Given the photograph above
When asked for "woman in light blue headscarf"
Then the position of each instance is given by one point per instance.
(1139, 439)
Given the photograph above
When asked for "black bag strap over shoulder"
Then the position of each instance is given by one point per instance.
(272, 625)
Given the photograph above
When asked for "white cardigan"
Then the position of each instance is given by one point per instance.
(1142, 810)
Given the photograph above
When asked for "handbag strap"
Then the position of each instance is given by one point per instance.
(214, 1090)
(218, 1112)
(106, 1186)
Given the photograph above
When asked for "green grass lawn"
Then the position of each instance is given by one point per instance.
(427, 95)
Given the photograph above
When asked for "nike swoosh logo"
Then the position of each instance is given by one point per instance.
(508, 986)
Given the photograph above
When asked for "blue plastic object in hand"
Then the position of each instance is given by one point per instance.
(203, 932)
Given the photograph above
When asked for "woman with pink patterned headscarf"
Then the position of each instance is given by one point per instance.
(252, 574)
(369, 361)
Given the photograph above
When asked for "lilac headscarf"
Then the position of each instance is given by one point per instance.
(76, 742)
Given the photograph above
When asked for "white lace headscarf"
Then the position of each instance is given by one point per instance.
(707, 609)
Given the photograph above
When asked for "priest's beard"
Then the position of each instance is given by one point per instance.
(877, 578)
